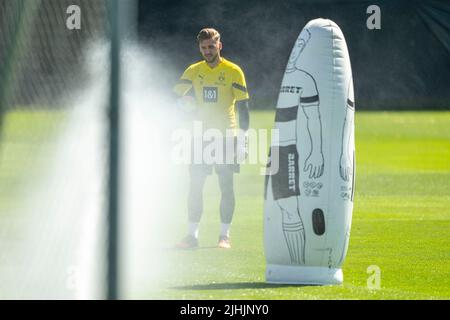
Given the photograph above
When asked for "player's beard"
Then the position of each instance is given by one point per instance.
(212, 59)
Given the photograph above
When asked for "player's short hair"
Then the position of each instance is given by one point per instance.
(208, 33)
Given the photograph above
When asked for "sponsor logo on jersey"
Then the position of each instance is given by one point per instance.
(210, 94)
(290, 89)
(221, 79)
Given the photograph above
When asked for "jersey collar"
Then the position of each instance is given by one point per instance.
(222, 59)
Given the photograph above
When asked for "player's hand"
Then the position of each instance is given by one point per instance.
(187, 104)
(314, 164)
(345, 167)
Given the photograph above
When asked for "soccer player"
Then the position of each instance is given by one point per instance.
(219, 88)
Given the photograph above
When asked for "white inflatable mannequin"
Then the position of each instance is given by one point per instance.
(311, 169)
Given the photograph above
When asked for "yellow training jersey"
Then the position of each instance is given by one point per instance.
(216, 91)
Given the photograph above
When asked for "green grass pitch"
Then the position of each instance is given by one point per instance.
(401, 218)
(401, 221)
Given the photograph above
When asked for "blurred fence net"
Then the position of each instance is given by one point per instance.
(53, 95)
(54, 151)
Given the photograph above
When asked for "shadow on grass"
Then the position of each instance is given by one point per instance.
(238, 286)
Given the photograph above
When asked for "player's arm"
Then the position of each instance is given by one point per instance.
(309, 102)
(348, 122)
(315, 161)
(181, 91)
(244, 114)
(240, 93)
(244, 123)
(345, 163)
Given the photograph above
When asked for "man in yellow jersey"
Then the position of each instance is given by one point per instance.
(214, 88)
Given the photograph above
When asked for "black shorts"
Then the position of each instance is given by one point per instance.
(223, 165)
(285, 180)
(207, 169)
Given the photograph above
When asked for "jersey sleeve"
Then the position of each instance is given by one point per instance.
(310, 95)
(184, 84)
(239, 86)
